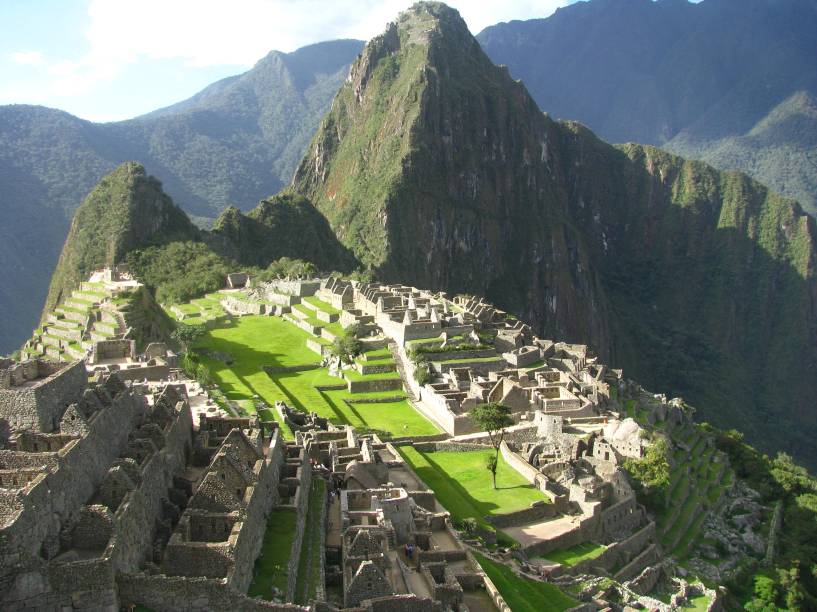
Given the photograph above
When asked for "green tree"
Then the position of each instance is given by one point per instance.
(347, 346)
(651, 473)
(188, 335)
(493, 418)
(203, 375)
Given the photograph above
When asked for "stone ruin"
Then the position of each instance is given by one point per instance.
(85, 487)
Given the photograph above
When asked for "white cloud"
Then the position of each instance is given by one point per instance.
(27, 58)
(211, 33)
(214, 32)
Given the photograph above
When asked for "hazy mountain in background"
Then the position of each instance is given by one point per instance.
(235, 142)
(732, 82)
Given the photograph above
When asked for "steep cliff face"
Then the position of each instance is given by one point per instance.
(127, 210)
(436, 168)
(433, 167)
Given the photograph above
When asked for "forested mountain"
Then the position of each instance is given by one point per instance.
(128, 218)
(236, 142)
(437, 169)
(721, 80)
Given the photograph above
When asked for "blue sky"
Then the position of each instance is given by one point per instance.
(106, 60)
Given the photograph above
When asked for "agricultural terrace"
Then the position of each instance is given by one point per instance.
(243, 354)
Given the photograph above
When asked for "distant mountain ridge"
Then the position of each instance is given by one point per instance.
(236, 142)
(695, 79)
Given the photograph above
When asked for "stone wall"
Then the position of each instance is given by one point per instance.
(619, 555)
(145, 372)
(112, 349)
(302, 504)
(39, 404)
(61, 493)
(301, 288)
(136, 517)
(178, 594)
(248, 544)
(272, 370)
(371, 386)
(538, 512)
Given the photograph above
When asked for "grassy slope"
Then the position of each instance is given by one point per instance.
(524, 595)
(576, 554)
(271, 565)
(255, 342)
(463, 485)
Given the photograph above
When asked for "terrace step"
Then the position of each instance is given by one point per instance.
(75, 352)
(68, 333)
(109, 316)
(89, 296)
(105, 327)
(376, 367)
(51, 340)
(72, 315)
(300, 314)
(73, 302)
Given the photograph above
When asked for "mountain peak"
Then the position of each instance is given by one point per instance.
(127, 210)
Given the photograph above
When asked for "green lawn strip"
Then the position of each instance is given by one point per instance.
(271, 565)
(679, 493)
(75, 309)
(266, 414)
(696, 448)
(470, 360)
(696, 604)
(463, 485)
(376, 359)
(355, 375)
(187, 308)
(303, 309)
(254, 342)
(309, 563)
(576, 554)
(321, 305)
(391, 419)
(197, 320)
(376, 354)
(524, 595)
(335, 328)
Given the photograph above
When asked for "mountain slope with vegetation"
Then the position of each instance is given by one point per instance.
(128, 218)
(437, 169)
(697, 79)
(126, 211)
(236, 142)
